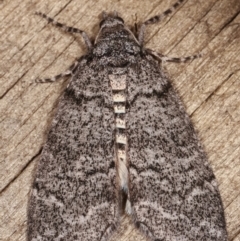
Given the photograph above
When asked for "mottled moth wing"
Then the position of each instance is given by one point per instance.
(74, 195)
(173, 190)
(120, 110)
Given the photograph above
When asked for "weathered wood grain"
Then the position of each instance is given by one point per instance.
(209, 87)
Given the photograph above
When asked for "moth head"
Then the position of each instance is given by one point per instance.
(110, 25)
(111, 20)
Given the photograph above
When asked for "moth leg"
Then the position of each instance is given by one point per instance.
(164, 58)
(67, 29)
(68, 72)
(157, 19)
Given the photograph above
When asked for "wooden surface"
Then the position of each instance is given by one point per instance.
(209, 87)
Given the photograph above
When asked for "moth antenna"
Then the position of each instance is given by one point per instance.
(104, 15)
(115, 13)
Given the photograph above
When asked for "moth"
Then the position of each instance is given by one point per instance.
(122, 143)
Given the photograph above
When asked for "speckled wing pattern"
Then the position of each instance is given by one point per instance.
(173, 190)
(73, 196)
(122, 142)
